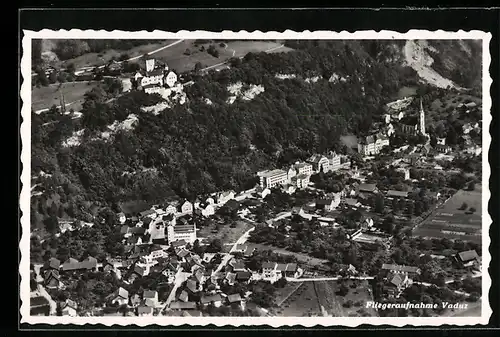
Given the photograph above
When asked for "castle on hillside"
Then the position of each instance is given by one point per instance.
(155, 78)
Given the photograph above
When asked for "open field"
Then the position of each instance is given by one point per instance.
(320, 298)
(225, 233)
(450, 222)
(176, 58)
(46, 97)
(95, 59)
(301, 303)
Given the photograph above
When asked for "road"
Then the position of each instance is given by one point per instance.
(242, 239)
(180, 277)
(135, 57)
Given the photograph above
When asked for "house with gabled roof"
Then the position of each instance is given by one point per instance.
(150, 298)
(230, 278)
(243, 276)
(184, 207)
(69, 308)
(192, 285)
(216, 300)
(149, 213)
(401, 269)
(234, 298)
(182, 305)
(120, 296)
(319, 162)
(51, 279)
(183, 296)
(52, 263)
(225, 196)
(136, 272)
(468, 259)
(145, 311)
(396, 283)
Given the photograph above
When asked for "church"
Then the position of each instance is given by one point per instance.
(414, 125)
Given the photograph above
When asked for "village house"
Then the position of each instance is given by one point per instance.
(185, 207)
(272, 178)
(149, 213)
(206, 209)
(327, 204)
(69, 308)
(150, 298)
(396, 283)
(262, 192)
(468, 259)
(183, 296)
(440, 141)
(443, 148)
(89, 264)
(120, 297)
(182, 305)
(392, 194)
(292, 270)
(52, 279)
(366, 224)
(371, 145)
(303, 168)
(230, 278)
(335, 160)
(367, 188)
(352, 203)
(320, 163)
(234, 299)
(401, 269)
(144, 311)
(171, 207)
(171, 79)
(136, 272)
(135, 300)
(243, 276)
(405, 172)
(216, 300)
(300, 181)
(269, 272)
(288, 189)
(249, 251)
(224, 197)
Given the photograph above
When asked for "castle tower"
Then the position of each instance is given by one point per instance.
(421, 120)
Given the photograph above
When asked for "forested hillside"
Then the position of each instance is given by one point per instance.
(196, 148)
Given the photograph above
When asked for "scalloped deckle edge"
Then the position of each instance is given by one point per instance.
(24, 201)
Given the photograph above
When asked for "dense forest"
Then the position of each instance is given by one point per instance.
(197, 147)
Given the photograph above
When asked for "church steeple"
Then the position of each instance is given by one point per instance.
(421, 120)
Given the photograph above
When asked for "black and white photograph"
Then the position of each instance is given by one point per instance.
(296, 178)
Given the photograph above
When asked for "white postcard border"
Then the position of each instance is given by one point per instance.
(24, 201)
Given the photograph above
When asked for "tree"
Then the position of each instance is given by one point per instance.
(343, 290)
(215, 246)
(471, 186)
(472, 209)
(379, 204)
(463, 206)
(51, 224)
(197, 67)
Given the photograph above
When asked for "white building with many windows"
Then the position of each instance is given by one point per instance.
(272, 178)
